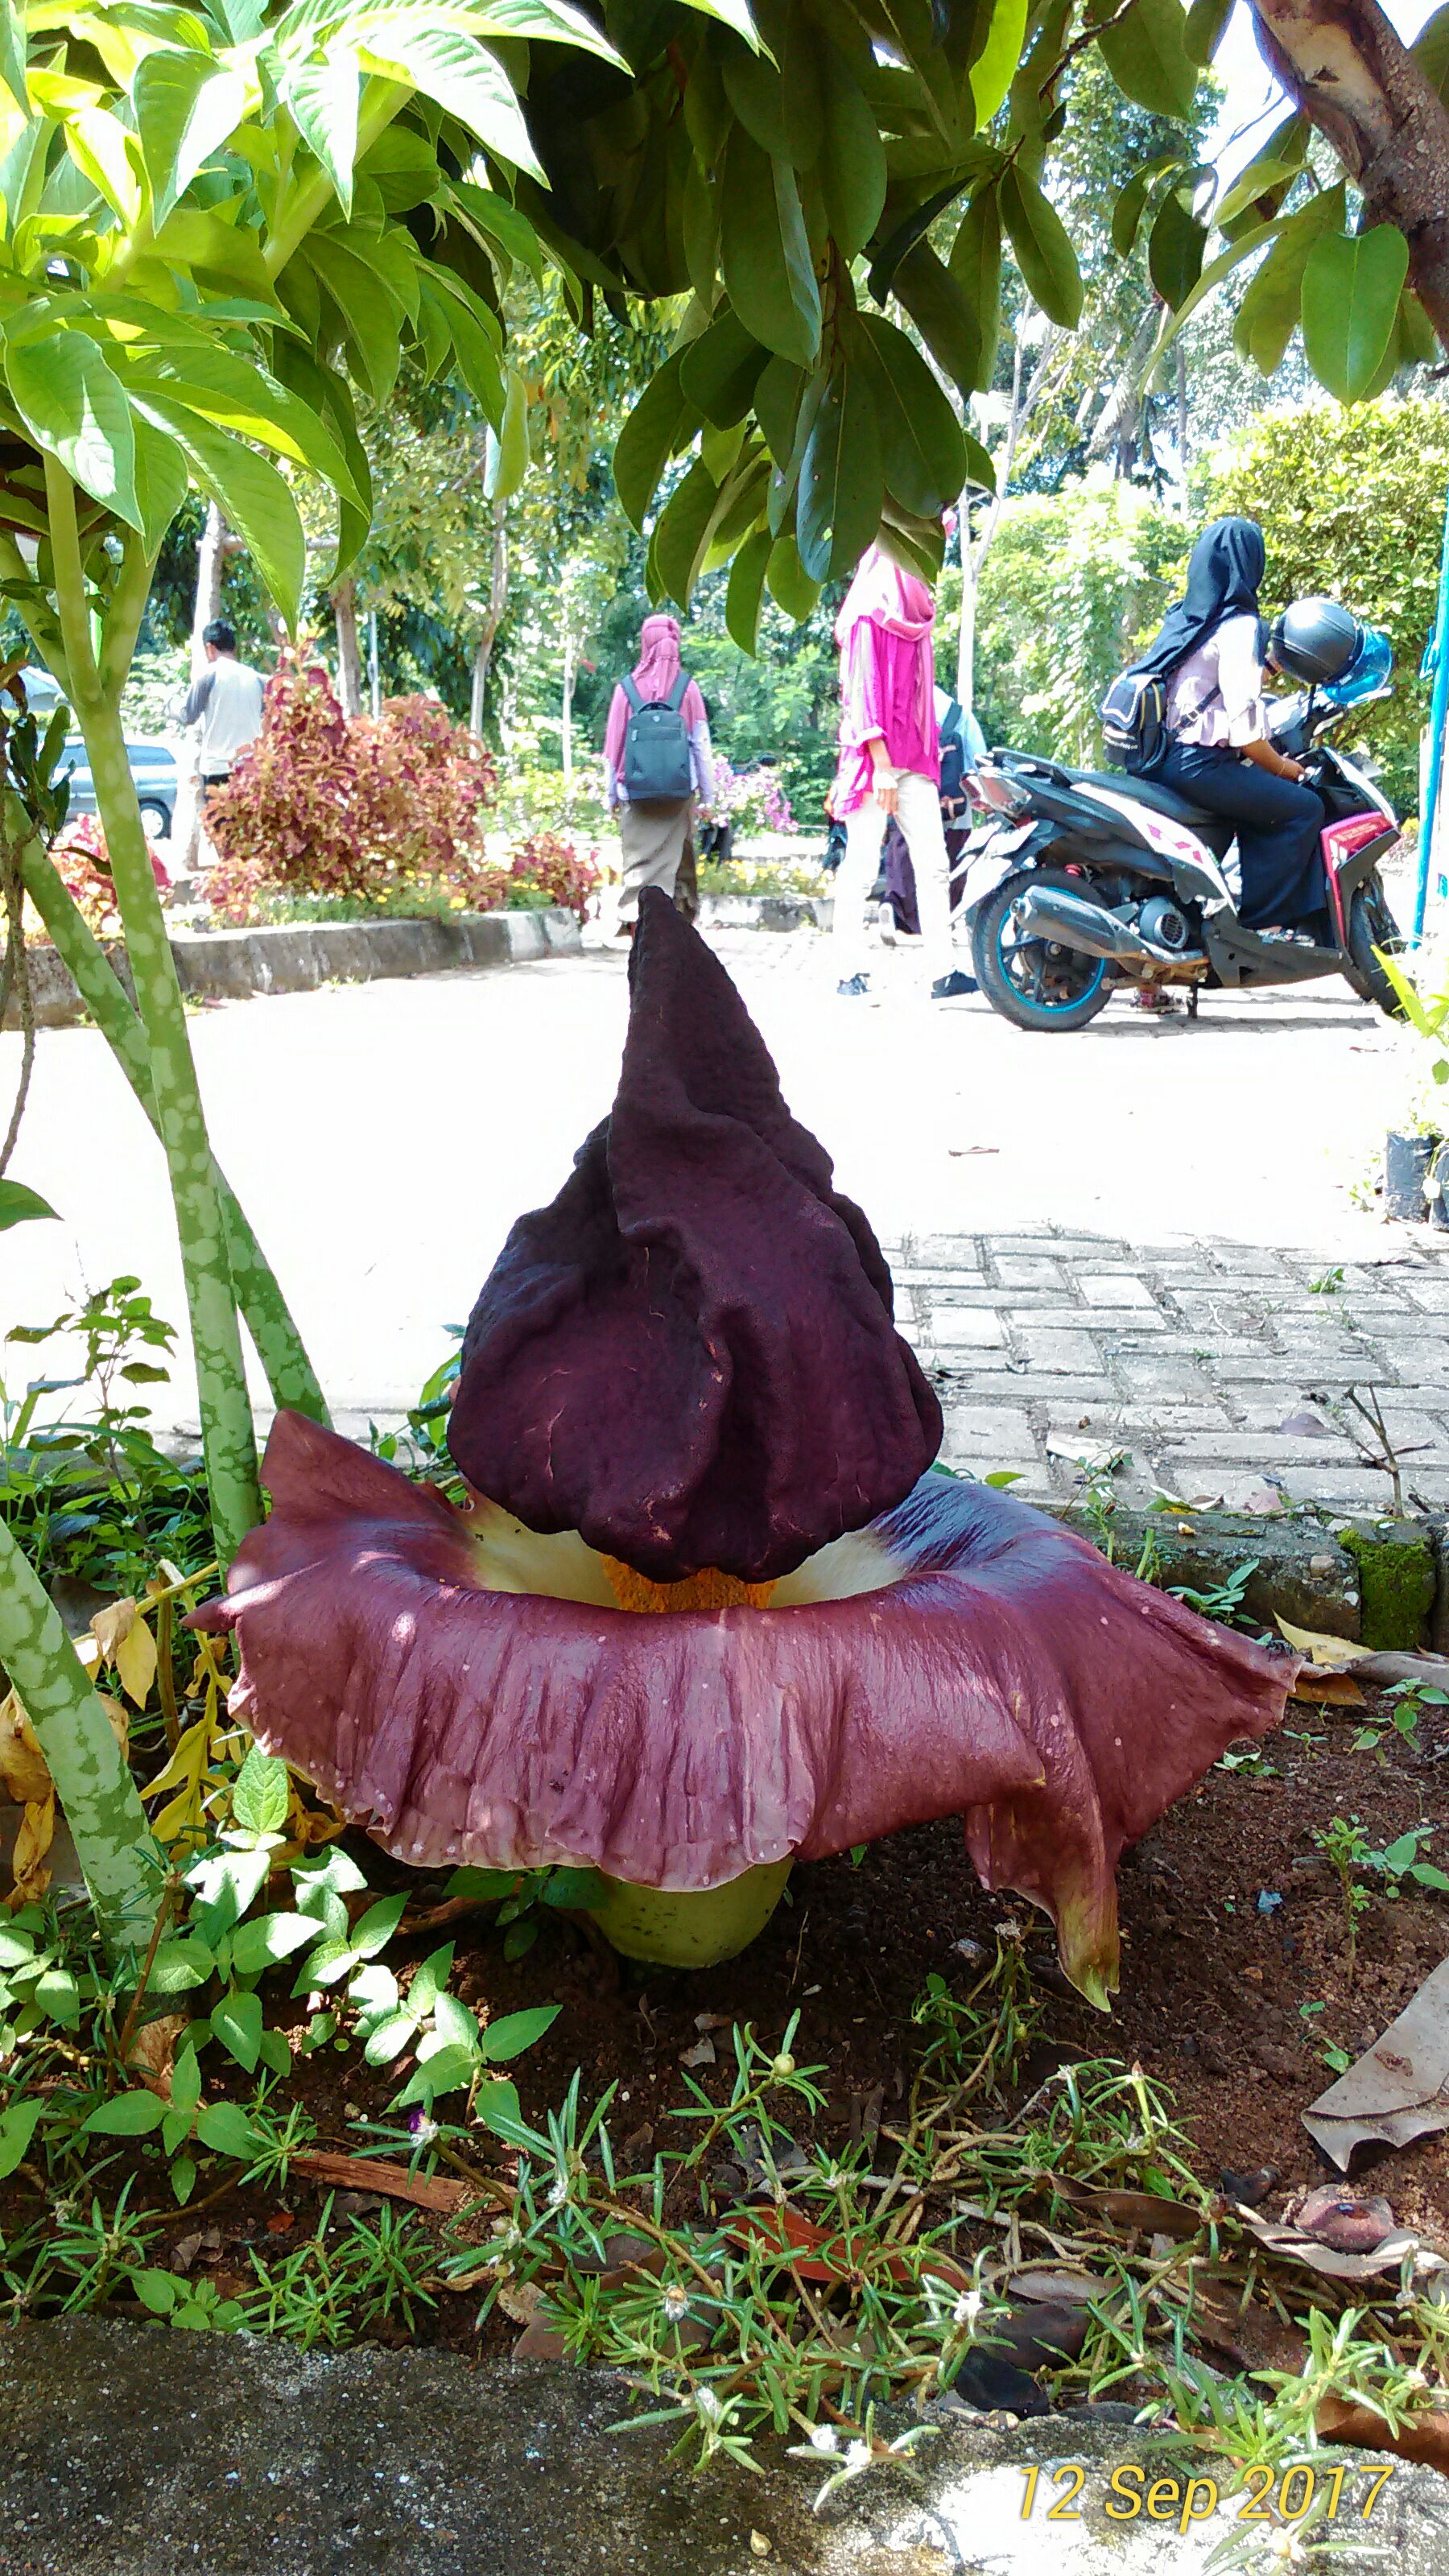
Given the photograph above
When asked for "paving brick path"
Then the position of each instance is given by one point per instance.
(1223, 1371)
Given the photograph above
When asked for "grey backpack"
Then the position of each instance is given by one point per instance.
(657, 767)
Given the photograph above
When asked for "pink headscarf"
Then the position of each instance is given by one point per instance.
(897, 600)
(655, 673)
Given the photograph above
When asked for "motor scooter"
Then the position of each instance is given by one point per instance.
(1095, 879)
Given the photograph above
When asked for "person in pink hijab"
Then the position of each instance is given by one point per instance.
(657, 739)
(890, 763)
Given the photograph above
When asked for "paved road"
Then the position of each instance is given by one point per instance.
(1108, 1240)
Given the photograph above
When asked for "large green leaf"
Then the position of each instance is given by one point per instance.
(682, 537)
(719, 370)
(186, 106)
(1351, 288)
(322, 99)
(161, 481)
(1175, 249)
(1147, 56)
(370, 314)
(1430, 49)
(764, 251)
(842, 480)
(923, 451)
(790, 584)
(745, 595)
(1130, 202)
(942, 314)
(976, 267)
(508, 448)
(12, 52)
(251, 495)
(472, 331)
(852, 159)
(18, 1205)
(757, 94)
(1043, 248)
(238, 394)
(994, 67)
(1207, 24)
(646, 441)
(459, 73)
(777, 406)
(1268, 314)
(75, 407)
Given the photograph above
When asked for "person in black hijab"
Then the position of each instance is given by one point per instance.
(1209, 655)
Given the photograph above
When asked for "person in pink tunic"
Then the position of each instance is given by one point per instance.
(890, 763)
(654, 833)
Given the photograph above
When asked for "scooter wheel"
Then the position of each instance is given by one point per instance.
(1033, 982)
(1372, 926)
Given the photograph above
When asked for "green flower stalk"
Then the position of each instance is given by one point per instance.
(268, 1319)
(123, 1864)
(93, 684)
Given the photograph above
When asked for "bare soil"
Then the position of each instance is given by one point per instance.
(1211, 2005)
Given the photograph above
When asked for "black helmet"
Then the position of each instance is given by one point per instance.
(1315, 640)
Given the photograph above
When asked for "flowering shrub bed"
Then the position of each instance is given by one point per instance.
(752, 799)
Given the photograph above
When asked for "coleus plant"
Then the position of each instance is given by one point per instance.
(710, 1610)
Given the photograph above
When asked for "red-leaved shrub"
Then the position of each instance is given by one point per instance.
(375, 810)
(320, 806)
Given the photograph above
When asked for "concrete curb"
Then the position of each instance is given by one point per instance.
(131, 2451)
(766, 911)
(296, 957)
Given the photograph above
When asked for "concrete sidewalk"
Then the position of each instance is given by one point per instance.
(1104, 1241)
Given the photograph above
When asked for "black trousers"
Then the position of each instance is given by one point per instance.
(1278, 824)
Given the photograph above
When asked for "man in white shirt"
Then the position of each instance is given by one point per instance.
(228, 698)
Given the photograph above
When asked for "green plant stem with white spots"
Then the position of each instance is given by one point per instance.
(94, 687)
(123, 1864)
(265, 1312)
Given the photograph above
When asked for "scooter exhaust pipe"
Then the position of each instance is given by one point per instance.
(1048, 912)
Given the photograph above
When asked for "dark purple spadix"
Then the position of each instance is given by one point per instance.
(689, 1357)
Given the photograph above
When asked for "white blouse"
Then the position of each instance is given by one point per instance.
(1215, 696)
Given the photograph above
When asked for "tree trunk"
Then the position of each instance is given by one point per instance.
(374, 667)
(566, 732)
(349, 651)
(1117, 429)
(973, 557)
(1356, 80)
(497, 603)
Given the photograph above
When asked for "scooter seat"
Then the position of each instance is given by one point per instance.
(1162, 800)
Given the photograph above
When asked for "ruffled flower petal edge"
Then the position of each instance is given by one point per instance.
(1002, 1671)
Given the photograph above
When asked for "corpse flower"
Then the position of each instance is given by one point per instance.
(682, 1393)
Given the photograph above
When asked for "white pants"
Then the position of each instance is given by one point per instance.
(919, 814)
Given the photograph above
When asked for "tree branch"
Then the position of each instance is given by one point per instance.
(1357, 82)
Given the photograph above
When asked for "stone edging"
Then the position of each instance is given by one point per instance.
(296, 957)
(1384, 1584)
(766, 911)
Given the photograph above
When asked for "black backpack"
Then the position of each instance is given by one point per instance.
(953, 752)
(657, 768)
(1134, 722)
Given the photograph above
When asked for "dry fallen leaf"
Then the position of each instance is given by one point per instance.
(1292, 2245)
(153, 2049)
(32, 1842)
(1320, 1648)
(759, 2545)
(702, 2054)
(1424, 2438)
(23, 1775)
(1399, 2088)
(1329, 1690)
